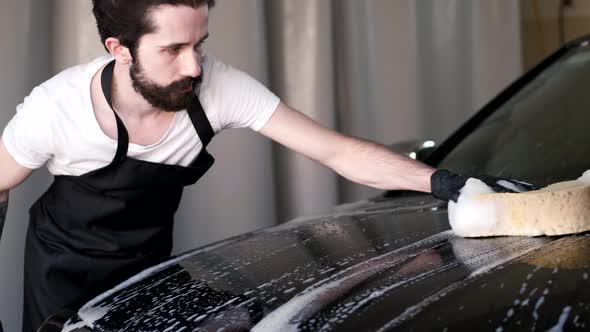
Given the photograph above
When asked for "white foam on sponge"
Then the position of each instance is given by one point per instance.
(469, 215)
(509, 185)
(560, 208)
(585, 178)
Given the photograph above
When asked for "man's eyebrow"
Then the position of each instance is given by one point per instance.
(204, 38)
(173, 45)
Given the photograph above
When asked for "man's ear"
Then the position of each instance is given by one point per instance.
(119, 52)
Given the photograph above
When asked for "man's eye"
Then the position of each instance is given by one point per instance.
(173, 50)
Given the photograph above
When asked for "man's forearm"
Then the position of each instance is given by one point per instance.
(3, 209)
(358, 160)
(375, 165)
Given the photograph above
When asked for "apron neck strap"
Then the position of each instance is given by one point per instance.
(199, 119)
(106, 80)
(195, 111)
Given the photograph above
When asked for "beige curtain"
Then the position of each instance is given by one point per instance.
(302, 73)
(23, 64)
(386, 70)
(383, 70)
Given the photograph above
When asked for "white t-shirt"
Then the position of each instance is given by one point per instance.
(56, 124)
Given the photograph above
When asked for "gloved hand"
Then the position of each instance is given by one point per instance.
(446, 185)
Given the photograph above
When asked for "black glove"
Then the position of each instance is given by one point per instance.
(446, 185)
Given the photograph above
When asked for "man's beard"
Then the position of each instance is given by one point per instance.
(170, 98)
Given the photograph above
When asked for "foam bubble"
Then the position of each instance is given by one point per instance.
(470, 215)
(585, 178)
(510, 185)
(474, 187)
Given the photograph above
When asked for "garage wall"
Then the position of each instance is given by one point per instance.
(23, 64)
(540, 26)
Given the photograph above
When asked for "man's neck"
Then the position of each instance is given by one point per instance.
(126, 101)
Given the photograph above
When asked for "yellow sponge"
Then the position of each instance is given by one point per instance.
(561, 208)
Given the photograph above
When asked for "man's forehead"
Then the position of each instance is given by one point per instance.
(169, 21)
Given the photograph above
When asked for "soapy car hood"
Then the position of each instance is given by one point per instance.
(389, 265)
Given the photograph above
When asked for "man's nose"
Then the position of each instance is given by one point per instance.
(191, 66)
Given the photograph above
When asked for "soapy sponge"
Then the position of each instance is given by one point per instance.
(561, 208)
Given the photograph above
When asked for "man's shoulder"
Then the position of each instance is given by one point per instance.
(73, 78)
(221, 78)
(217, 70)
(69, 84)
(66, 92)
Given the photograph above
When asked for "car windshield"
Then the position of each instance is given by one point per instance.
(539, 135)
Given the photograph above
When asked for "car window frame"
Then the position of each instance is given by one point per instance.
(468, 127)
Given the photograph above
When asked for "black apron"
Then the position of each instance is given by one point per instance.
(88, 233)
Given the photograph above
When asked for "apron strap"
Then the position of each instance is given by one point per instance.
(106, 80)
(195, 113)
(199, 119)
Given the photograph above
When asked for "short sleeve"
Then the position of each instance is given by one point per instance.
(27, 137)
(238, 100)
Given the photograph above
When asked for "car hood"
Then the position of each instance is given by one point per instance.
(382, 265)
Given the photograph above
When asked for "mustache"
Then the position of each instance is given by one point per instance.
(186, 83)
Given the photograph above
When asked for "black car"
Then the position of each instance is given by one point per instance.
(392, 262)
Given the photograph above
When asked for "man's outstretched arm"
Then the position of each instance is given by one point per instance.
(358, 160)
(370, 163)
(11, 175)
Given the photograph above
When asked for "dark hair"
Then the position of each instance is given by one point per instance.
(128, 20)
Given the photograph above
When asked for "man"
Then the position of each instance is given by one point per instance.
(125, 133)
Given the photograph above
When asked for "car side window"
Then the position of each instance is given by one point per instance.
(540, 135)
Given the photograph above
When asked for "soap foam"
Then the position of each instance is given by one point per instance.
(510, 185)
(585, 178)
(474, 215)
(470, 215)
